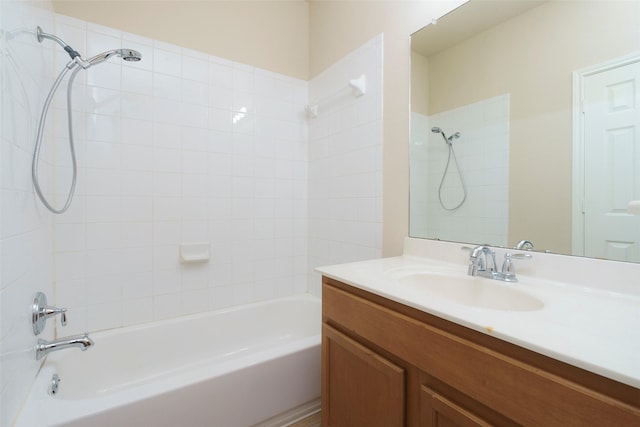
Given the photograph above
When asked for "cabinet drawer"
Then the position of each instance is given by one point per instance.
(520, 391)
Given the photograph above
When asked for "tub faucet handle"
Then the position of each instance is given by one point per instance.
(40, 312)
(61, 311)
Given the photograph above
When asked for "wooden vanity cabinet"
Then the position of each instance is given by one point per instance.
(364, 388)
(387, 364)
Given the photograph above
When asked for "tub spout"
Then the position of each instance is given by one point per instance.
(44, 347)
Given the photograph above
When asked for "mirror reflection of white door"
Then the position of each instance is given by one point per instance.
(611, 107)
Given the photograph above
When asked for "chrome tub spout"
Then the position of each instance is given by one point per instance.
(44, 347)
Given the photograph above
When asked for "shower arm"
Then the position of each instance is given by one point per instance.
(73, 54)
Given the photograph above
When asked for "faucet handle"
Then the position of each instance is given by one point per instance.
(40, 312)
(508, 270)
(52, 311)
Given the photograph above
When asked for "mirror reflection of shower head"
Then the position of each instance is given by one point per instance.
(452, 153)
(436, 129)
(448, 140)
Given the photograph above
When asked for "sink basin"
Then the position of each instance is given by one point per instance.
(470, 291)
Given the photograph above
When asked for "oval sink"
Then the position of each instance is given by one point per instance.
(471, 291)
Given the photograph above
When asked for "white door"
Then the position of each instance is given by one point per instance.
(612, 163)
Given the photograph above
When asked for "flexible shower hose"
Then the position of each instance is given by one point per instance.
(38, 145)
(452, 153)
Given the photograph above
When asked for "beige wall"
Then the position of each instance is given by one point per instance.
(299, 39)
(272, 35)
(532, 57)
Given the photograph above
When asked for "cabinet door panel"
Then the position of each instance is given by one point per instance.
(359, 387)
(438, 411)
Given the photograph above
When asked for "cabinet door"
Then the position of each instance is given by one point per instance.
(438, 411)
(359, 387)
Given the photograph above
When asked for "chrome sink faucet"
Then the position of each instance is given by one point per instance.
(482, 263)
(44, 347)
(479, 260)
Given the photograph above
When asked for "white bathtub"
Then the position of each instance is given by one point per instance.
(230, 368)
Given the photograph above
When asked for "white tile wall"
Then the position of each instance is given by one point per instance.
(418, 175)
(26, 230)
(181, 147)
(483, 155)
(345, 163)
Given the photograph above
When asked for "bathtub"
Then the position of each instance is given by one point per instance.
(257, 364)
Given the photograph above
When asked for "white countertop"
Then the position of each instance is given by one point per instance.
(593, 328)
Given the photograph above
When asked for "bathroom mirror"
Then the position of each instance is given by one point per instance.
(512, 136)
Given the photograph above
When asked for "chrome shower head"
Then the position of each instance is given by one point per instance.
(125, 54)
(131, 55)
(436, 129)
(448, 140)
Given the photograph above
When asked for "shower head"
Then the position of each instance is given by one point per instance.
(436, 129)
(131, 55)
(125, 54)
(448, 140)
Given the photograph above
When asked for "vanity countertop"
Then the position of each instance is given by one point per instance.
(593, 328)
